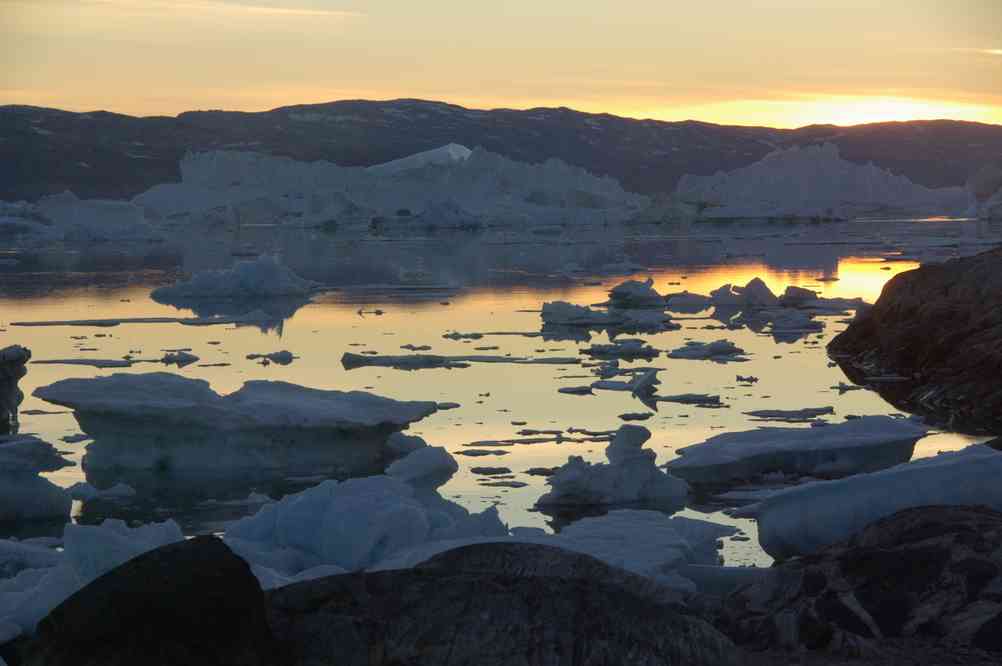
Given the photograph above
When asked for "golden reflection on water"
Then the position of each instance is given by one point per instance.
(792, 375)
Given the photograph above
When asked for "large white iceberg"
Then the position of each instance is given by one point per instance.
(814, 182)
(804, 519)
(442, 156)
(169, 422)
(859, 445)
(629, 477)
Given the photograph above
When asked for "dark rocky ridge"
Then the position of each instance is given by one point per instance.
(103, 154)
(939, 326)
(931, 574)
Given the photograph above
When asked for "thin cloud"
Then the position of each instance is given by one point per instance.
(221, 7)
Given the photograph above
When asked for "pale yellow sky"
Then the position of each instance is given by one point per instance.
(770, 62)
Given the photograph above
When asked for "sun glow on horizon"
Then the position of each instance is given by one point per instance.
(840, 110)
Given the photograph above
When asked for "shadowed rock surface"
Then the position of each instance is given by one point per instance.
(12, 369)
(939, 326)
(929, 574)
(192, 602)
(492, 604)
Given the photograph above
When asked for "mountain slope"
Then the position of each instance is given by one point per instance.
(103, 154)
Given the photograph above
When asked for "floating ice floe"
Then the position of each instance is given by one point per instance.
(685, 301)
(262, 426)
(280, 357)
(425, 361)
(629, 477)
(624, 348)
(563, 313)
(755, 294)
(24, 495)
(41, 578)
(860, 445)
(246, 281)
(636, 294)
(815, 182)
(804, 519)
(718, 351)
(790, 415)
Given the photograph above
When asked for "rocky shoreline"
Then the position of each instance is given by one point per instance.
(923, 586)
(932, 343)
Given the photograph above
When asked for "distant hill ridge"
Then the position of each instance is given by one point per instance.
(103, 154)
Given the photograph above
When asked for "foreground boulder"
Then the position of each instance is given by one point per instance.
(493, 604)
(191, 602)
(930, 573)
(939, 328)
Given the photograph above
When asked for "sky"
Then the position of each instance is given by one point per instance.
(781, 63)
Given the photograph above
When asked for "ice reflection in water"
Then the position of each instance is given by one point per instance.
(500, 285)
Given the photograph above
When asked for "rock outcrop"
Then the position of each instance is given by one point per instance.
(12, 368)
(191, 602)
(938, 329)
(492, 604)
(928, 574)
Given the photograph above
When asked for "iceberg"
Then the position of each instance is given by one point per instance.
(443, 156)
(24, 495)
(860, 445)
(814, 182)
(247, 281)
(629, 477)
(166, 422)
(805, 519)
(718, 351)
(95, 220)
(636, 294)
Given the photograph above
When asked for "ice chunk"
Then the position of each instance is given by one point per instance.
(426, 466)
(567, 314)
(630, 476)
(95, 220)
(23, 494)
(860, 445)
(175, 400)
(804, 519)
(815, 182)
(353, 524)
(445, 155)
(261, 278)
(719, 351)
(636, 294)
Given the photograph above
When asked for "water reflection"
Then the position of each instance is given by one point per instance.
(488, 283)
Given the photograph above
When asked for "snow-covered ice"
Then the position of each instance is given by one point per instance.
(718, 351)
(859, 445)
(806, 518)
(247, 281)
(815, 182)
(24, 495)
(629, 476)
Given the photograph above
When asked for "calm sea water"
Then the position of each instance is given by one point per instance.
(495, 282)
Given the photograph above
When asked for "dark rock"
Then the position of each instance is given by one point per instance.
(493, 604)
(940, 327)
(192, 602)
(916, 574)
